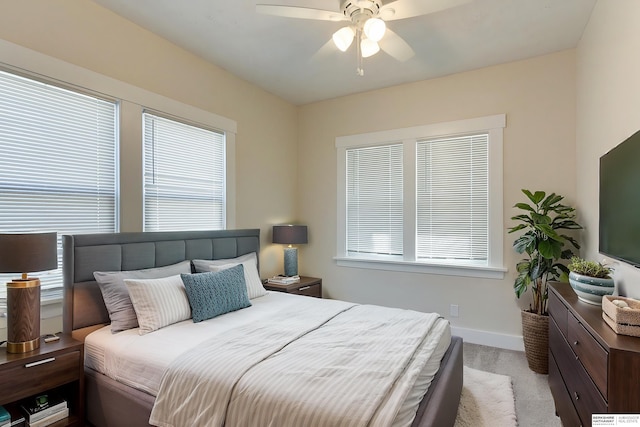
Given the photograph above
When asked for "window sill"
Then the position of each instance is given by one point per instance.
(482, 272)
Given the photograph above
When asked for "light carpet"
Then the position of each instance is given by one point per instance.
(487, 400)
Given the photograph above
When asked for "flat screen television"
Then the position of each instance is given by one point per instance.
(620, 201)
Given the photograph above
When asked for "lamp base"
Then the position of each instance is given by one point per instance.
(290, 261)
(23, 315)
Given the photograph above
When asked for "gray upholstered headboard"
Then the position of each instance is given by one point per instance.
(85, 253)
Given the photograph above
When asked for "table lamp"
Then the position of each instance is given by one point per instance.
(24, 253)
(290, 235)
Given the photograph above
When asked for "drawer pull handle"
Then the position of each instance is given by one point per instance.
(304, 288)
(575, 342)
(40, 362)
(575, 394)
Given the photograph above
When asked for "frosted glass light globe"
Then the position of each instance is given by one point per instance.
(343, 38)
(369, 48)
(374, 29)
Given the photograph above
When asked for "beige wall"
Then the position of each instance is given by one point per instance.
(538, 97)
(608, 102)
(82, 33)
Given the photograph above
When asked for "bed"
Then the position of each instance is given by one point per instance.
(111, 402)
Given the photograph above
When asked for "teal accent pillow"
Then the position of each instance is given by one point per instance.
(216, 293)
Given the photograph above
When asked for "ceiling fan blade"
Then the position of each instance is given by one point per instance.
(396, 47)
(324, 52)
(299, 12)
(401, 9)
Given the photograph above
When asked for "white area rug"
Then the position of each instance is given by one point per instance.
(487, 400)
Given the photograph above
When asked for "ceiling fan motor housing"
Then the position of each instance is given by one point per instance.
(358, 11)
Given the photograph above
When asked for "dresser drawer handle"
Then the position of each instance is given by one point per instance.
(575, 342)
(575, 394)
(40, 362)
(304, 288)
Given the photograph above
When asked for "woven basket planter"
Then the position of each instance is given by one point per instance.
(535, 332)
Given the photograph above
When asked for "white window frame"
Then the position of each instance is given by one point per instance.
(52, 280)
(147, 194)
(493, 126)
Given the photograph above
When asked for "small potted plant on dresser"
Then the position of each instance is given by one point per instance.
(590, 280)
(544, 246)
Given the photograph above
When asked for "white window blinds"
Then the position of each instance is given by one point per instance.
(184, 176)
(57, 164)
(374, 200)
(452, 198)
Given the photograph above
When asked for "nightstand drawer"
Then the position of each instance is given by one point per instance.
(309, 290)
(33, 376)
(308, 286)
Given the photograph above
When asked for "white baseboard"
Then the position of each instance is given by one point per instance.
(492, 339)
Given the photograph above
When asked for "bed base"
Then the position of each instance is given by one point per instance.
(112, 404)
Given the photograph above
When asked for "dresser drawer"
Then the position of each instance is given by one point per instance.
(591, 354)
(558, 312)
(581, 390)
(309, 290)
(564, 405)
(32, 376)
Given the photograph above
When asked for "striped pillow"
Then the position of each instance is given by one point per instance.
(158, 302)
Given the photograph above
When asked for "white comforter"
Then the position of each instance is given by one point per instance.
(339, 364)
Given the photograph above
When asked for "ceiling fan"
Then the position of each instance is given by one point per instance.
(367, 22)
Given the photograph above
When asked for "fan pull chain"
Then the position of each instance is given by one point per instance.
(360, 69)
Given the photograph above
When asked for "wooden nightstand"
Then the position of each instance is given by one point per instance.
(309, 286)
(55, 366)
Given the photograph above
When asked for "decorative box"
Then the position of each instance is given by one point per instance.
(624, 321)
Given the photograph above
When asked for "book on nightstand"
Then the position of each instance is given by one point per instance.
(50, 419)
(5, 418)
(18, 419)
(43, 407)
(284, 280)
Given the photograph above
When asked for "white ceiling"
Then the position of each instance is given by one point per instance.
(295, 59)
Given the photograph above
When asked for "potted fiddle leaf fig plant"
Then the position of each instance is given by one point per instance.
(543, 220)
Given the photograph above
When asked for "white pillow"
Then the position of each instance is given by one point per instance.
(202, 265)
(116, 296)
(158, 302)
(250, 265)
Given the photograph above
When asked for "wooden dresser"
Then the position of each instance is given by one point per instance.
(591, 368)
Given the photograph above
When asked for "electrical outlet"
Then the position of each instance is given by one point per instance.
(453, 310)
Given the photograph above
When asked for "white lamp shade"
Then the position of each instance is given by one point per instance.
(374, 29)
(343, 38)
(369, 48)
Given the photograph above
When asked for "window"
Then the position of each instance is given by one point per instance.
(374, 200)
(57, 165)
(424, 199)
(184, 176)
(452, 197)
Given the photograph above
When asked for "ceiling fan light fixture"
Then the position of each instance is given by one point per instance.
(374, 29)
(343, 38)
(368, 48)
